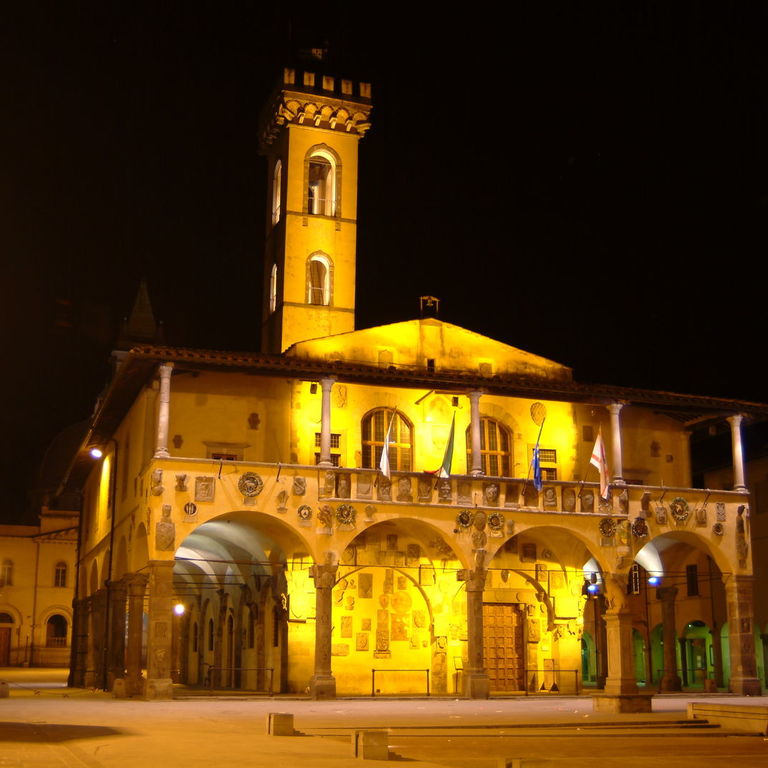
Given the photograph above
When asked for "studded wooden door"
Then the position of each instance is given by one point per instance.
(5, 646)
(503, 646)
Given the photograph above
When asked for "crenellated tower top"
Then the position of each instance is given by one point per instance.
(311, 99)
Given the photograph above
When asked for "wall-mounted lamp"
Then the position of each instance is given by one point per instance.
(313, 387)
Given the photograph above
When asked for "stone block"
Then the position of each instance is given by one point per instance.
(622, 702)
(119, 689)
(280, 724)
(370, 745)
(5, 691)
(745, 718)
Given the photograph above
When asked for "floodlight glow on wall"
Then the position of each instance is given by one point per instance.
(96, 453)
(179, 609)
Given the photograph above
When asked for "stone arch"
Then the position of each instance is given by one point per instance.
(394, 605)
(254, 551)
(695, 541)
(534, 609)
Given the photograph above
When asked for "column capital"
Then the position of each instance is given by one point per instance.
(666, 593)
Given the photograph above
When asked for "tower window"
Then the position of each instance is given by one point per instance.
(321, 184)
(319, 280)
(374, 432)
(6, 573)
(277, 191)
(495, 451)
(273, 289)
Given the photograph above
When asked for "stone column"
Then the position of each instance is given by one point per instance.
(738, 454)
(717, 655)
(116, 650)
(618, 471)
(97, 658)
(618, 636)
(670, 680)
(137, 585)
(79, 643)
(325, 424)
(477, 459)
(163, 411)
(738, 595)
(323, 683)
(476, 683)
(219, 676)
(158, 684)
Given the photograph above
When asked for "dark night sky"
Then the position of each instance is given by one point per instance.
(586, 181)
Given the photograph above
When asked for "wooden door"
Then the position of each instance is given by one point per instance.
(503, 646)
(5, 646)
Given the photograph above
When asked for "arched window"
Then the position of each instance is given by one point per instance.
(374, 431)
(6, 618)
(277, 191)
(321, 183)
(319, 280)
(273, 289)
(6, 573)
(56, 632)
(60, 574)
(495, 448)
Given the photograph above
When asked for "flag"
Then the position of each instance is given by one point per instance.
(598, 460)
(536, 468)
(384, 461)
(445, 468)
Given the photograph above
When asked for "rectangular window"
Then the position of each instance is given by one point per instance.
(335, 440)
(692, 579)
(548, 454)
(220, 456)
(587, 433)
(548, 473)
(335, 459)
(633, 586)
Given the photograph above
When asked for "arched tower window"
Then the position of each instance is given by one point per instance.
(6, 573)
(495, 448)
(273, 289)
(277, 191)
(56, 632)
(319, 280)
(322, 182)
(374, 431)
(60, 574)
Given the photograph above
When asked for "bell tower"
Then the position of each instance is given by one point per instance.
(309, 134)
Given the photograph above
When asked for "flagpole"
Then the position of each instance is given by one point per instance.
(530, 464)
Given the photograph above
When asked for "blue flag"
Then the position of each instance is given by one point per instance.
(536, 469)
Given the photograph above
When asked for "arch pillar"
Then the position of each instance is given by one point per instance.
(136, 585)
(159, 641)
(116, 633)
(323, 684)
(618, 634)
(476, 683)
(670, 680)
(738, 595)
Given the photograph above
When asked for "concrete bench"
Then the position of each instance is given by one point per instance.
(748, 718)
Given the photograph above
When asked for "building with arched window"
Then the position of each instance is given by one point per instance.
(402, 509)
(35, 591)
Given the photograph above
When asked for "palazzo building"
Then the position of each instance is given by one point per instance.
(37, 574)
(242, 531)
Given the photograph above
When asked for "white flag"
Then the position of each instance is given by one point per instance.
(598, 460)
(384, 461)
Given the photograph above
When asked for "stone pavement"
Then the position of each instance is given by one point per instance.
(45, 725)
